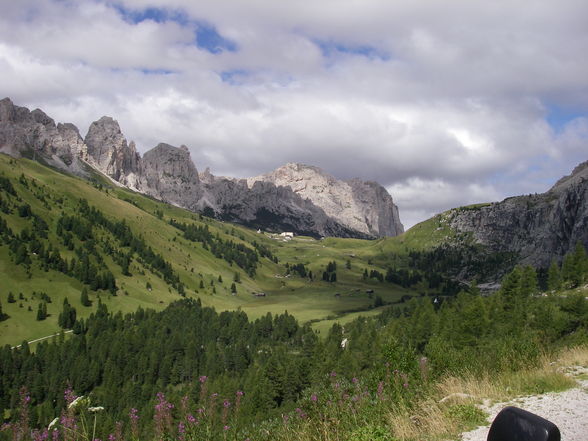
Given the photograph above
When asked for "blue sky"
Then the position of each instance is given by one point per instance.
(444, 103)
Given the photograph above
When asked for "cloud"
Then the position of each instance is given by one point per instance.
(444, 103)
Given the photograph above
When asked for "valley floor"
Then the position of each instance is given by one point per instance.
(568, 410)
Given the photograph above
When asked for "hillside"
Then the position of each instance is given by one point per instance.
(36, 199)
(327, 207)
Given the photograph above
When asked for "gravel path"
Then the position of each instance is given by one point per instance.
(567, 410)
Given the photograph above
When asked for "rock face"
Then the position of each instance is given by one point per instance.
(295, 197)
(34, 135)
(109, 152)
(365, 207)
(270, 207)
(170, 175)
(536, 227)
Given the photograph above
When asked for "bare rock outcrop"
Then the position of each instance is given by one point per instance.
(170, 175)
(34, 135)
(109, 152)
(537, 228)
(365, 207)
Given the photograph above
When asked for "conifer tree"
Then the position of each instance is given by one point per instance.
(42, 311)
(233, 288)
(11, 298)
(84, 299)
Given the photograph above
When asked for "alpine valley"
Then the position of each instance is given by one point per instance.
(294, 296)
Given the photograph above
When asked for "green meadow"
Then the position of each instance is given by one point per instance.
(52, 194)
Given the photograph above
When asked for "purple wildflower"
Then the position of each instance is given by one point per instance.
(313, 398)
(380, 389)
(203, 379)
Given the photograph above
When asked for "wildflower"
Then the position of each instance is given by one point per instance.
(285, 418)
(75, 402)
(333, 374)
(214, 395)
(69, 396)
(191, 419)
(55, 435)
(37, 435)
(53, 423)
(226, 427)
(95, 409)
(227, 403)
(405, 385)
(203, 379)
(239, 393)
(380, 389)
(354, 380)
(111, 437)
(313, 398)
(133, 414)
(181, 428)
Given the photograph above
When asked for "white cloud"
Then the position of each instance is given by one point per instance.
(445, 103)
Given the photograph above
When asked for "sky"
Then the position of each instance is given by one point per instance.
(443, 102)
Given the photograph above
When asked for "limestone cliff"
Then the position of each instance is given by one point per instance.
(365, 207)
(537, 228)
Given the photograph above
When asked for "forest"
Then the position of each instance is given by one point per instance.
(189, 372)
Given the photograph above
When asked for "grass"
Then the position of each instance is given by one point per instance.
(307, 301)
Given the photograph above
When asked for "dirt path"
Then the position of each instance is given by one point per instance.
(568, 410)
(43, 338)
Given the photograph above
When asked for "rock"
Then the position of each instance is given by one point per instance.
(170, 175)
(537, 228)
(110, 154)
(34, 135)
(365, 207)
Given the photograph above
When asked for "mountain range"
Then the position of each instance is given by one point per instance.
(296, 197)
(529, 229)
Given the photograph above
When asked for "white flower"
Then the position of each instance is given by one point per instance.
(95, 409)
(75, 402)
(52, 423)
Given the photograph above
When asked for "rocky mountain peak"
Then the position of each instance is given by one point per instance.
(363, 207)
(108, 149)
(579, 174)
(170, 174)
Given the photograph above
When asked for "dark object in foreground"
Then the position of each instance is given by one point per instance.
(514, 424)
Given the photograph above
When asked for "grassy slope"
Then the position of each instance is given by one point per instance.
(306, 300)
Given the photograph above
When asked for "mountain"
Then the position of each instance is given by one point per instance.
(296, 197)
(536, 228)
(362, 206)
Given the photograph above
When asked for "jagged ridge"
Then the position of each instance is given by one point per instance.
(344, 209)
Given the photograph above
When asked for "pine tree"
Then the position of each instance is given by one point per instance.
(233, 288)
(2, 315)
(11, 298)
(237, 278)
(42, 311)
(201, 286)
(220, 279)
(84, 299)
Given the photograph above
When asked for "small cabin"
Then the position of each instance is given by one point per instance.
(259, 294)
